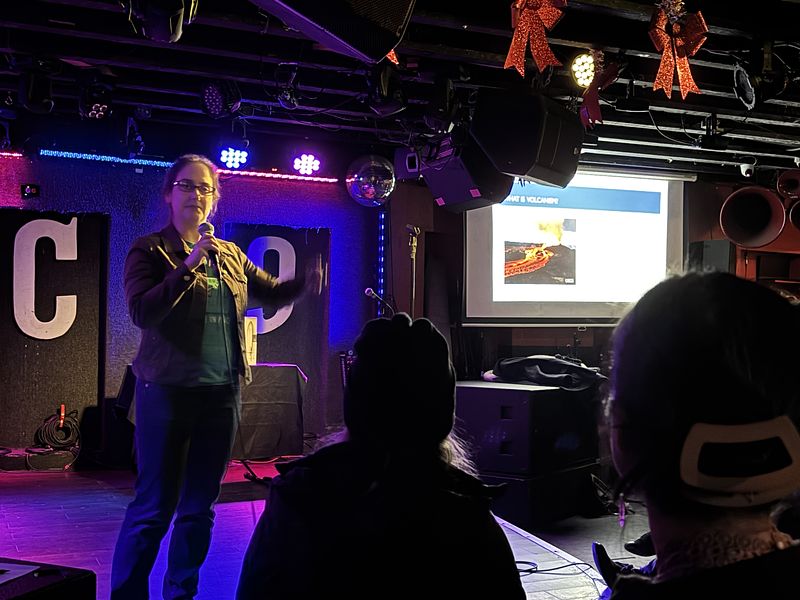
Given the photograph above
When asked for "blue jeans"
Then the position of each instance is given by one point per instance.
(184, 438)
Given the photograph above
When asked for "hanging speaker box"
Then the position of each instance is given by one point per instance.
(363, 29)
(528, 136)
(466, 179)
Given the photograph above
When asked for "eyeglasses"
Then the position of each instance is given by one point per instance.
(186, 185)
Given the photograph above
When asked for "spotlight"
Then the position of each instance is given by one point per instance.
(440, 114)
(712, 139)
(632, 103)
(160, 20)
(285, 75)
(233, 158)
(743, 87)
(221, 99)
(287, 99)
(95, 100)
(306, 164)
(385, 97)
(142, 112)
(759, 80)
(583, 69)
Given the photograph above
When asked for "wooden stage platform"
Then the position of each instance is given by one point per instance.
(72, 519)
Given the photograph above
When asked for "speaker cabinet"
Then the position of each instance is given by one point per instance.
(541, 442)
(528, 135)
(528, 502)
(363, 29)
(465, 179)
(712, 255)
(406, 164)
(527, 430)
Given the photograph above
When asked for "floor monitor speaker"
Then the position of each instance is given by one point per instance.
(40, 581)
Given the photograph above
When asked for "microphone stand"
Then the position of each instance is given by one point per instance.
(413, 232)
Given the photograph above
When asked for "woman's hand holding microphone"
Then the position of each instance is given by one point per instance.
(206, 247)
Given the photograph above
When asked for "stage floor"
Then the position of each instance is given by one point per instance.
(72, 519)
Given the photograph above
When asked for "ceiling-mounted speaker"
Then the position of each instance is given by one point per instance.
(528, 135)
(465, 179)
(363, 29)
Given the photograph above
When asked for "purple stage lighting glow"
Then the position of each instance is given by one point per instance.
(233, 158)
(306, 164)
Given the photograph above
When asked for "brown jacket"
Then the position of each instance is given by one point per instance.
(167, 302)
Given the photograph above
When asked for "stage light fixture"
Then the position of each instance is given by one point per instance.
(632, 103)
(233, 158)
(160, 20)
(759, 79)
(583, 69)
(385, 97)
(306, 164)
(133, 139)
(221, 99)
(95, 100)
(743, 87)
(440, 114)
(36, 92)
(285, 76)
(142, 113)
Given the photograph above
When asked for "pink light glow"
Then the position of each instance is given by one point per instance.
(280, 176)
(10, 154)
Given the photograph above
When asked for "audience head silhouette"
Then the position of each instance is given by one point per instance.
(396, 490)
(400, 392)
(705, 395)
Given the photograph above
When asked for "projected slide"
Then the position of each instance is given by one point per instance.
(547, 257)
(619, 250)
(583, 252)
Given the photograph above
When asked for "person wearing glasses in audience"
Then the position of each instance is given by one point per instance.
(704, 411)
(187, 290)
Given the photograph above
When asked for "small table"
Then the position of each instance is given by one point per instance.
(272, 413)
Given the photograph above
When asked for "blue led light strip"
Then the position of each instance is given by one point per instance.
(381, 259)
(104, 158)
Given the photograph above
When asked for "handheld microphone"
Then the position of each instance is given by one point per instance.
(370, 293)
(207, 229)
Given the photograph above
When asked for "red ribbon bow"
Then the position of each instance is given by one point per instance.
(590, 109)
(531, 19)
(688, 35)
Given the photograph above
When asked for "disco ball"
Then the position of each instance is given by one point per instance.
(370, 180)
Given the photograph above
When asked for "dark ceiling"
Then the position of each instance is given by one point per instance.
(79, 41)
